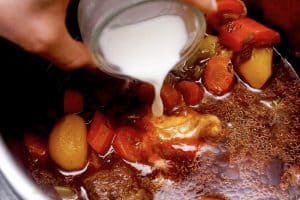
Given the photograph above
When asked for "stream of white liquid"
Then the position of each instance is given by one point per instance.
(146, 50)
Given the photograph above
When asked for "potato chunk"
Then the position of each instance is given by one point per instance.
(67, 143)
(258, 69)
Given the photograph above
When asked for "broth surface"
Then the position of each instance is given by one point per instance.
(256, 156)
(260, 143)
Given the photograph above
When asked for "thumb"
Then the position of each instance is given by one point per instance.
(205, 6)
(67, 53)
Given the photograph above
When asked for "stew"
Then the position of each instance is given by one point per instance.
(230, 128)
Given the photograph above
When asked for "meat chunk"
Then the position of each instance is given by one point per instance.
(116, 183)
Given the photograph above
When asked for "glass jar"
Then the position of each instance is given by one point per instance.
(95, 16)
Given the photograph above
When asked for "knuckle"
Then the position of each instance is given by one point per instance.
(42, 40)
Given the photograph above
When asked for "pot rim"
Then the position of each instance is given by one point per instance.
(22, 186)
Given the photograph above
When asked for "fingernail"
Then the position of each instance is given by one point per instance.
(214, 5)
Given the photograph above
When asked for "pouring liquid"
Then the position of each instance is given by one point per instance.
(146, 50)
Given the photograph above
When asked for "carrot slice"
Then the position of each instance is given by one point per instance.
(192, 92)
(228, 10)
(73, 101)
(128, 144)
(146, 93)
(35, 145)
(218, 75)
(100, 134)
(237, 34)
(170, 97)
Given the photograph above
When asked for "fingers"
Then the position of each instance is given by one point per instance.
(39, 27)
(204, 5)
(67, 53)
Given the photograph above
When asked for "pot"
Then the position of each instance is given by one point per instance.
(27, 84)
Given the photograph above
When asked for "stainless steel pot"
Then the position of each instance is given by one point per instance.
(16, 184)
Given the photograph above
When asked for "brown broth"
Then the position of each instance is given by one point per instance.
(261, 141)
(259, 144)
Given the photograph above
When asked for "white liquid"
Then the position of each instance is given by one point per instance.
(147, 50)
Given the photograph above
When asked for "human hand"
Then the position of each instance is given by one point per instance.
(204, 5)
(39, 27)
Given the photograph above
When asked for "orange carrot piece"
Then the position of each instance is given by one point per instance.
(73, 101)
(128, 144)
(146, 93)
(218, 75)
(228, 10)
(100, 134)
(245, 31)
(35, 145)
(192, 92)
(170, 97)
